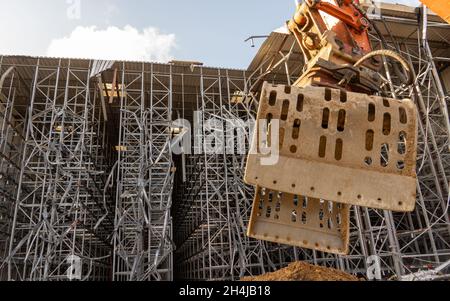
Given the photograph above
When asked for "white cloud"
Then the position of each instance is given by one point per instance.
(114, 43)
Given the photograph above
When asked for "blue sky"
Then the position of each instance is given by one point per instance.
(209, 31)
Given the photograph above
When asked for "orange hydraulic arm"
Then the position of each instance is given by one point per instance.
(333, 36)
(347, 13)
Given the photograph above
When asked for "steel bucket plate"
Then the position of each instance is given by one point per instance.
(348, 147)
(300, 221)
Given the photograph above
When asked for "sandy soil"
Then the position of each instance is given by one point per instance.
(301, 271)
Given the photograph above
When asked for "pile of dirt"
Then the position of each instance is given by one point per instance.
(302, 271)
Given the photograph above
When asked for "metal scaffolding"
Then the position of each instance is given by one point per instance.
(11, 144)
(59, 201)
(87, 168)
(143, 226)
(214, 206)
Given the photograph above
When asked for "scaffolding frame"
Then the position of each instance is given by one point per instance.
(58, 200)
(81, 177)
(213, 205)
(143, 226)
(11, 144)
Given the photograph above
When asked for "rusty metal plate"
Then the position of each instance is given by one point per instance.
(348, 147)
(300, 221)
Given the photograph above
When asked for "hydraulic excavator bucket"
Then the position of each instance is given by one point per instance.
(334, 145)
(351, 148)
(300, 221)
